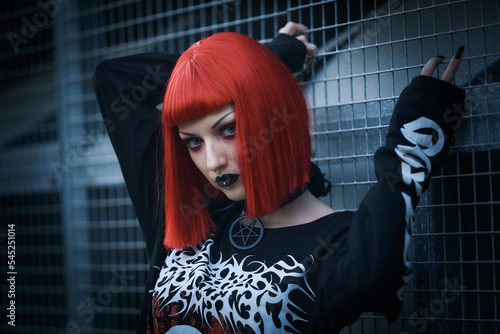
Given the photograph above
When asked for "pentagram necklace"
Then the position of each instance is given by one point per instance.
(246, 232)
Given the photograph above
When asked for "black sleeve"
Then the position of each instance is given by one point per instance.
(375, 265)
(289, 50)
(128, 89)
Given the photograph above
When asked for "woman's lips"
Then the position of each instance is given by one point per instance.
(226, 180)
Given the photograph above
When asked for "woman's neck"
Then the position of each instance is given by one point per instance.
(304, 209)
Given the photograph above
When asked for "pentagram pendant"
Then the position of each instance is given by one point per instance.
(244, 234)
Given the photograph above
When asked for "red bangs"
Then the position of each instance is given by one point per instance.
(194, 91)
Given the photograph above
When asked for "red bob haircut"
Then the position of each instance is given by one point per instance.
(273, 137)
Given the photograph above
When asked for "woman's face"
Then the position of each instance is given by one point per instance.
(211, 143)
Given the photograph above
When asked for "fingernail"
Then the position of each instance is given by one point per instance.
(458, 54)
(442, 57)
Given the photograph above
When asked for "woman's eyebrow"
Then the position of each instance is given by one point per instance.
(188, 134)
(221, 119)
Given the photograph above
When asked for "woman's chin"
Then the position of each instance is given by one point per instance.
(236, 193)
(235, 197)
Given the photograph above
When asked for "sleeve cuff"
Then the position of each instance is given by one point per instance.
(289, 50)
(438, 87)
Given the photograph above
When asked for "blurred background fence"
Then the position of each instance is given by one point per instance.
(80, 261)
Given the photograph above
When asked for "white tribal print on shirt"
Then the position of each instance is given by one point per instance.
(228, 296)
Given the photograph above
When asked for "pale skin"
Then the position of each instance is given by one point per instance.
(211, 143)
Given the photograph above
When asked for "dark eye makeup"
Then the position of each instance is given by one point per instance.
(227, 131)
(192, 143)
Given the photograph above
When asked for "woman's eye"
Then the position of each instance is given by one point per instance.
(229, 130)
(193, 143)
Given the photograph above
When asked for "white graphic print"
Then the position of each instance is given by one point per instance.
(242, 293)
(417, 156)
(429, 146)
(183, 329)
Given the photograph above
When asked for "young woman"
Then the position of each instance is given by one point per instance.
(220, 180)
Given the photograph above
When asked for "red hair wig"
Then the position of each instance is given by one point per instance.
(272, 131)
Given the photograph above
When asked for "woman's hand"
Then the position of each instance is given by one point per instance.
(297, 30)
(449, 73)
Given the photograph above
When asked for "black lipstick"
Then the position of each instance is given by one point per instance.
(226, 180)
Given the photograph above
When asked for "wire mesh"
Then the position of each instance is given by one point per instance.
(62, 187)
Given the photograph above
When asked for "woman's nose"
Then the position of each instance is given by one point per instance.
(216, 157)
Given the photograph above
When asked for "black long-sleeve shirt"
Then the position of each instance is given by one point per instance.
(316, 277)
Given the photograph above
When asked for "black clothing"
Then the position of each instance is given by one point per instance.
(316, 277)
